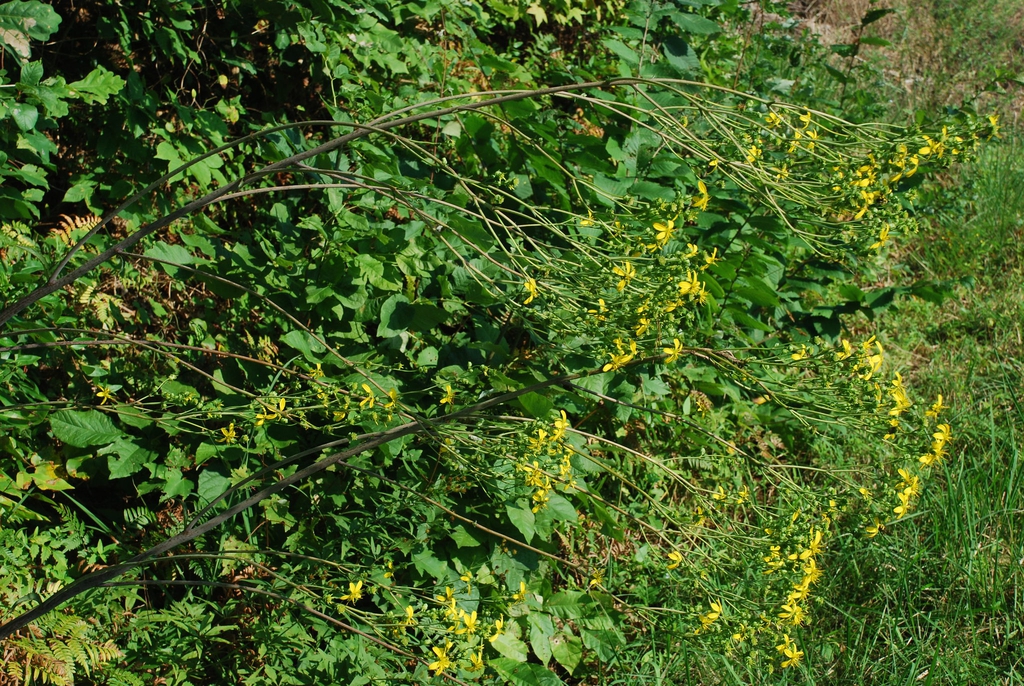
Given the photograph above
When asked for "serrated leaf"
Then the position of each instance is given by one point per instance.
(132, 458)
(84, 429)
(694, 23)
(680, 55)
(566, 604)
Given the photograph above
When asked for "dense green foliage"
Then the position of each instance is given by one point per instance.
(498, 342)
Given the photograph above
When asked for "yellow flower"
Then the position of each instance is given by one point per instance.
(753, 154)
(106, 394)
(642, 327)
(531, 288)
(229, 434)
(391, 570)
(993, 120)
(792, 613)
(520, 595)
(773, 120)
(676, 557)
(806, 118)
(499, 629)
(589, 221)
(370, 398)
(627, 272)
(904, 507)
(561, 426)
(883, 237)
(476, 660)
(873, 529)
(801, 354)
(664, 232)
(789, 650)
(620, 360)
(674, 352)
(469, 622)
(449, 396)
(316, 373)
(814, 546)
(936, 408)
(847, 350)
(269, 413)
(711, 259)
(813, 135)
(701, 201)
(355, 592)
(710, 617)
(442, 662)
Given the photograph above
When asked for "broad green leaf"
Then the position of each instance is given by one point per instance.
(211, 485)
(124, 458)
(463, 538)
(536, 404)
(523, 519)
(428, 563)
(680, 55)
(511, 647)
(524, 674)
(84, 429)
(305, 344)
(694, 23)
(566, 604)
(23, 20)
(45, 478)
(567, 649)
(541, 629)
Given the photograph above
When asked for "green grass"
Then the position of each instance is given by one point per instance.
(941, 598)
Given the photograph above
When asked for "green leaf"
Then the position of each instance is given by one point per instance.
(211, 485)
(567, 649)
(758, 292)
(541, 629)
(25, 116)
(84, 429)
(463, 538)
(680, 55)
(566, 604)
(175, 254)
(875, 40)
(397, 314)
(21, 21)
(524, 674)
(511, 647)
(536, 404)
(604, 642)
(871, 16)
(523, 520)
(305, 344)
(694, 23)
(132, 458)
(627, 53)
(97, 86)
(428, 563)
(560, 508)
